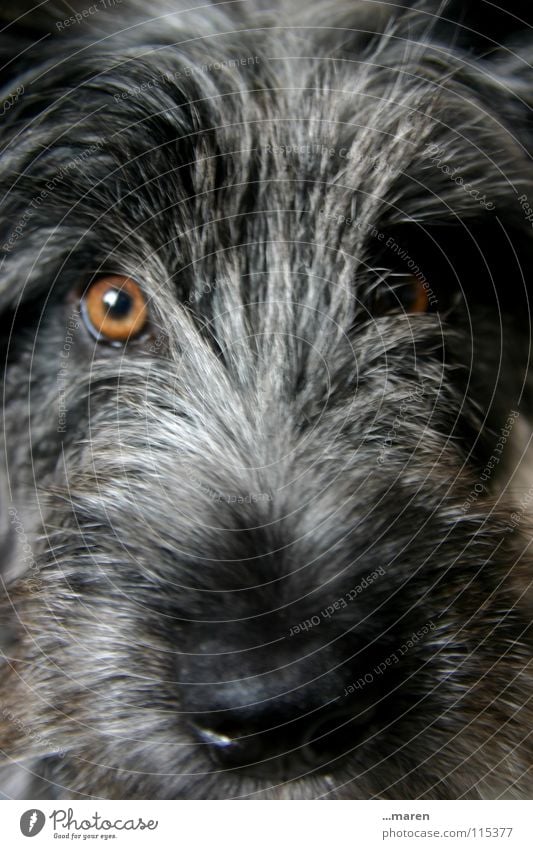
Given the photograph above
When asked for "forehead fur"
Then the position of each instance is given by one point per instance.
(373, 125)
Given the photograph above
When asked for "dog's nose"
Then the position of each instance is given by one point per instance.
(296, 711)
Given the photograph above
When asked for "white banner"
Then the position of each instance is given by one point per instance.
(267, 825)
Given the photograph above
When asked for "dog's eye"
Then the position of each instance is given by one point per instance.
(410, 296)
(114, 309)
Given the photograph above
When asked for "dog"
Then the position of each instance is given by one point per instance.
(266, 401)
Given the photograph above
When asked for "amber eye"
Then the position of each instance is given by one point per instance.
(418, 298)
(114, 309)
(410, 296)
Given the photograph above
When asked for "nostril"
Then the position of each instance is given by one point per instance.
(315, 745)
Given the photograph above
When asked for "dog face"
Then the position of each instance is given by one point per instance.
(266, 337)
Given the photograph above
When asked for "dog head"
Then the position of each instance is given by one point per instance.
(265, 339)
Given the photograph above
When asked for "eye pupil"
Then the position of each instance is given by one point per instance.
(118, 303)
(115, 309)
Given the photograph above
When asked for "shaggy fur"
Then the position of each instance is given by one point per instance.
(267, 551)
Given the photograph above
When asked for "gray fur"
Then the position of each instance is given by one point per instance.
(276, 439)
